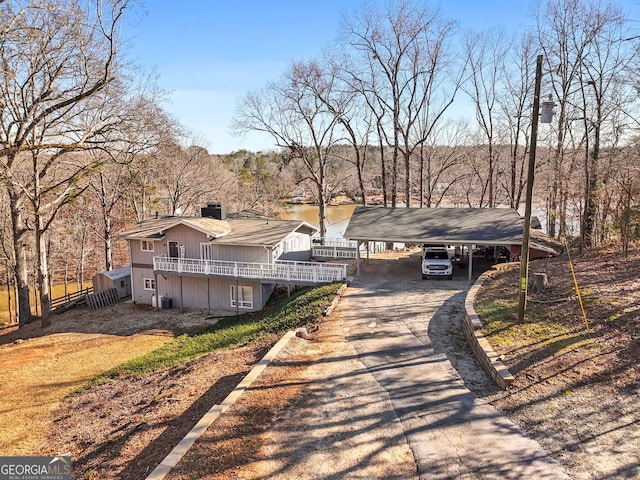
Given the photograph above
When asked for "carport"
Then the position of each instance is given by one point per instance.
(449, 226)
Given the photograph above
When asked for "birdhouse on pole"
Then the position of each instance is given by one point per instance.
(546, 114)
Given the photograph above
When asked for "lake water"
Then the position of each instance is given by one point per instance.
(338, 217)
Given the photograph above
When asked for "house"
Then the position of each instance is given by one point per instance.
(221, 262)
(119, 278)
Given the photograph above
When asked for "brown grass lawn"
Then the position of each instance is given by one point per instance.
(37, 373)
(40, 367)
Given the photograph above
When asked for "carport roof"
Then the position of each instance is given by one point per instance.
(451, 226)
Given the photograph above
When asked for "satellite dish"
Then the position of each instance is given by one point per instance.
(178, 211)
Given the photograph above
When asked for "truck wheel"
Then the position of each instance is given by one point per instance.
(450, 277)
(424, 277)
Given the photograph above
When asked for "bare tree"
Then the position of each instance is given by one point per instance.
(178, 174)
(290, 112)
(486, 54)
(438, 161)
(515, 100)
(602, 94)
(404, 73)
(343, 96)
(121, 162)
(57, 61)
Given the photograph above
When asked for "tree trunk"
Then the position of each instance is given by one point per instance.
(538, 282)
(383, 167)
(394, 178)
(321, 212)
(9, 297)
(19, 237)
(360, 164)
(108, 244)
(591, 195)
(407, 178)
(43, 273)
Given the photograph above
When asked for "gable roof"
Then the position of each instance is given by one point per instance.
(463, 226)
(232, 231)
(155, 228)
(263, 232)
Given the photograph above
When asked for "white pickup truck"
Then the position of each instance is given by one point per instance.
(436, 262)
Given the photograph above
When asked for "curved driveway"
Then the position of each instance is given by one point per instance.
(386, 314)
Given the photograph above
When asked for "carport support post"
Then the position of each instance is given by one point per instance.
(526, 231)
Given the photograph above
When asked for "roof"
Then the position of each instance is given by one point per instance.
(265, 232)
(117, 273)
(232, 231)
(545, 243)
(461, 226)
(155, 228)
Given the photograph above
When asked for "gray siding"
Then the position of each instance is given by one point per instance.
(233, 253)
(139, 294)
(142, 257)
(295, 247)
(194, 293)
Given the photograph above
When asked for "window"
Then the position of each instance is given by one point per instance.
(149, 284)
(245, 296)
(147, 245)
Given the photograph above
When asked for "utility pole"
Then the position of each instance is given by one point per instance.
(526, 231)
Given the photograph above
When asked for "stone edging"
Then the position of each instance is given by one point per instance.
(336, 299)
(472, 328)
(172, 459)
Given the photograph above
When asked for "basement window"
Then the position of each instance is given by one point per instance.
(245, 297)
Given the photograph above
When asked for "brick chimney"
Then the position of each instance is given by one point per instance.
(214, 210)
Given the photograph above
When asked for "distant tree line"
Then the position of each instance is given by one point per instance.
(87, 149)
(392, 80)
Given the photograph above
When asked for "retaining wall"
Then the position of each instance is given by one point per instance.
(472, 327)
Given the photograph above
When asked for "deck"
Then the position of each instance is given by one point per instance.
(278, 272)
(335, 248)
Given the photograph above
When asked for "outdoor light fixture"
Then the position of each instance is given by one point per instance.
(546, 114)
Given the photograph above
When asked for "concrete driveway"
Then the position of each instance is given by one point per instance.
(394, 320)
(374, 395)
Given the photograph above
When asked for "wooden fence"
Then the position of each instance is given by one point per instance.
(103, 298)
(69, 300)
(93, 300)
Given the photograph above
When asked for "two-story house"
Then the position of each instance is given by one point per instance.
(219, 262)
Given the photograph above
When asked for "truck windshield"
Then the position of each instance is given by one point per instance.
(436, 255)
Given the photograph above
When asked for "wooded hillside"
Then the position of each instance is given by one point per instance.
(86, 147)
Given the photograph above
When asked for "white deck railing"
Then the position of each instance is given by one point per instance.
(304, 272)
(335, 248)
(333, 252)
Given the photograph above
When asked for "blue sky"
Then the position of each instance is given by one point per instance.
(209, 53)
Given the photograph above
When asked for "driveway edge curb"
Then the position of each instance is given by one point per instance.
(472, 327)
(172, 459)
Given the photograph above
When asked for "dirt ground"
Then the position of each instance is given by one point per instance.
(580, 405)
(40, 366)
(577, 392)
